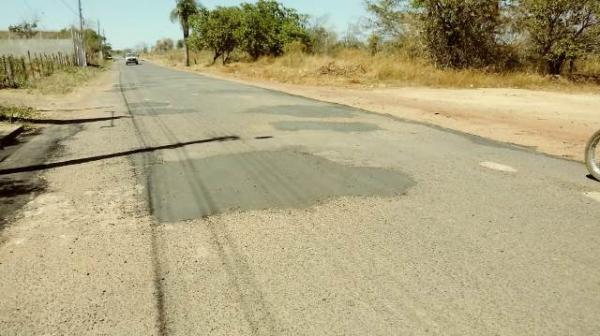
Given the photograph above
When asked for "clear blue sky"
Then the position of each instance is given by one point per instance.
(130, 22)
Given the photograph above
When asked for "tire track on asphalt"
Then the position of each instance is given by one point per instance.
(242, 280)
(158, 287)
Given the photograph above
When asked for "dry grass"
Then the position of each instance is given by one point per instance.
(64, 81)
(359, 68)
(9, 112)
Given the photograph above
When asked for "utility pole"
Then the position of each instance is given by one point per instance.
(81, 32)
(101, 42)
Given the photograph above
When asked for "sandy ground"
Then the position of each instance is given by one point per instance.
(554, 123)
(77, 259)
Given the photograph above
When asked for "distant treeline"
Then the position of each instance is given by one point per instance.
(495, 35)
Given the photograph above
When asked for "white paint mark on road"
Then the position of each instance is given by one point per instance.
(593, 195)
(498, 166)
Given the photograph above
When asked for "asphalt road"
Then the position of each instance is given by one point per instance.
(244, 211)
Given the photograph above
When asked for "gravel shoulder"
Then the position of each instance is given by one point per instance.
(77, 258)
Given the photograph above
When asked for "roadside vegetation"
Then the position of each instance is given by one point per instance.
(66, 80)
(56, 73)
(11, 113)
(441, 43)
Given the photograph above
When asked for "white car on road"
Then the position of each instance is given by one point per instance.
(131, 58)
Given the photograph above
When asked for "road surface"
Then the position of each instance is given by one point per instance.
(214, 208)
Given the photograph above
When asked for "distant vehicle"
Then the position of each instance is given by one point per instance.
(592, 156)
(131, 58)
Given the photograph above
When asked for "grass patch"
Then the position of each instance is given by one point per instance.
(64, 81)
(359, 68)
(10, 113)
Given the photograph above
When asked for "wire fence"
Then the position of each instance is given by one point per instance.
(19, 71)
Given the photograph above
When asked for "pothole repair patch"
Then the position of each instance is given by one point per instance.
(189, 189)
(325, 126)
(498, 167)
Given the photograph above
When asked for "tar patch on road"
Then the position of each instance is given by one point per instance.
(17, 191)
(188, 189)
(325, 126)
(305, 111)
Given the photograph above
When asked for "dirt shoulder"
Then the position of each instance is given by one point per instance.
(554, 123)
(74, 104)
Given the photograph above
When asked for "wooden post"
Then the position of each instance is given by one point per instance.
(4, 71)
(24, 68)
(30, 65)
(40, 64)
(9, 71)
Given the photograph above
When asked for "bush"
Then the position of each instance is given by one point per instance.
(559, 31)
(460, 33)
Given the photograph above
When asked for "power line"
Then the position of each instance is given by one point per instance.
(69, 7)
(28, 6)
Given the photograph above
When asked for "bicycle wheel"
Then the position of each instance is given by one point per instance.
(592, 156)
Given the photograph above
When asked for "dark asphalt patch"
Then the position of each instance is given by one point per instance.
(305, 111)
(157, 108)
(33, 148)
(325, 126)
(189, 189)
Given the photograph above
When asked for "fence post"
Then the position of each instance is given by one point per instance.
(4, 71)
(9, 72)
(24, 67)
(40, 65)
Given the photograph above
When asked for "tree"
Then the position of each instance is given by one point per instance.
(183, 11)
(560, 30)
(217, 30)
(353, 38)
(387, 17)
(164, 45)
(93, 42)
(322, 39)
(460, 33)
(374, 44)
(24, 29)
(267, 26)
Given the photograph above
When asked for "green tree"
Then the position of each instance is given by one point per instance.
(267, 26)
(322, 39)
(387, 17)
(560, 30)
(217, 30)
(183, 11)
(460, 33)
(93, 41)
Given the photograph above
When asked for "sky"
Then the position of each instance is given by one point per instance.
(128, 23)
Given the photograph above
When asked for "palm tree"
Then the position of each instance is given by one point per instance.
(182, 12)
